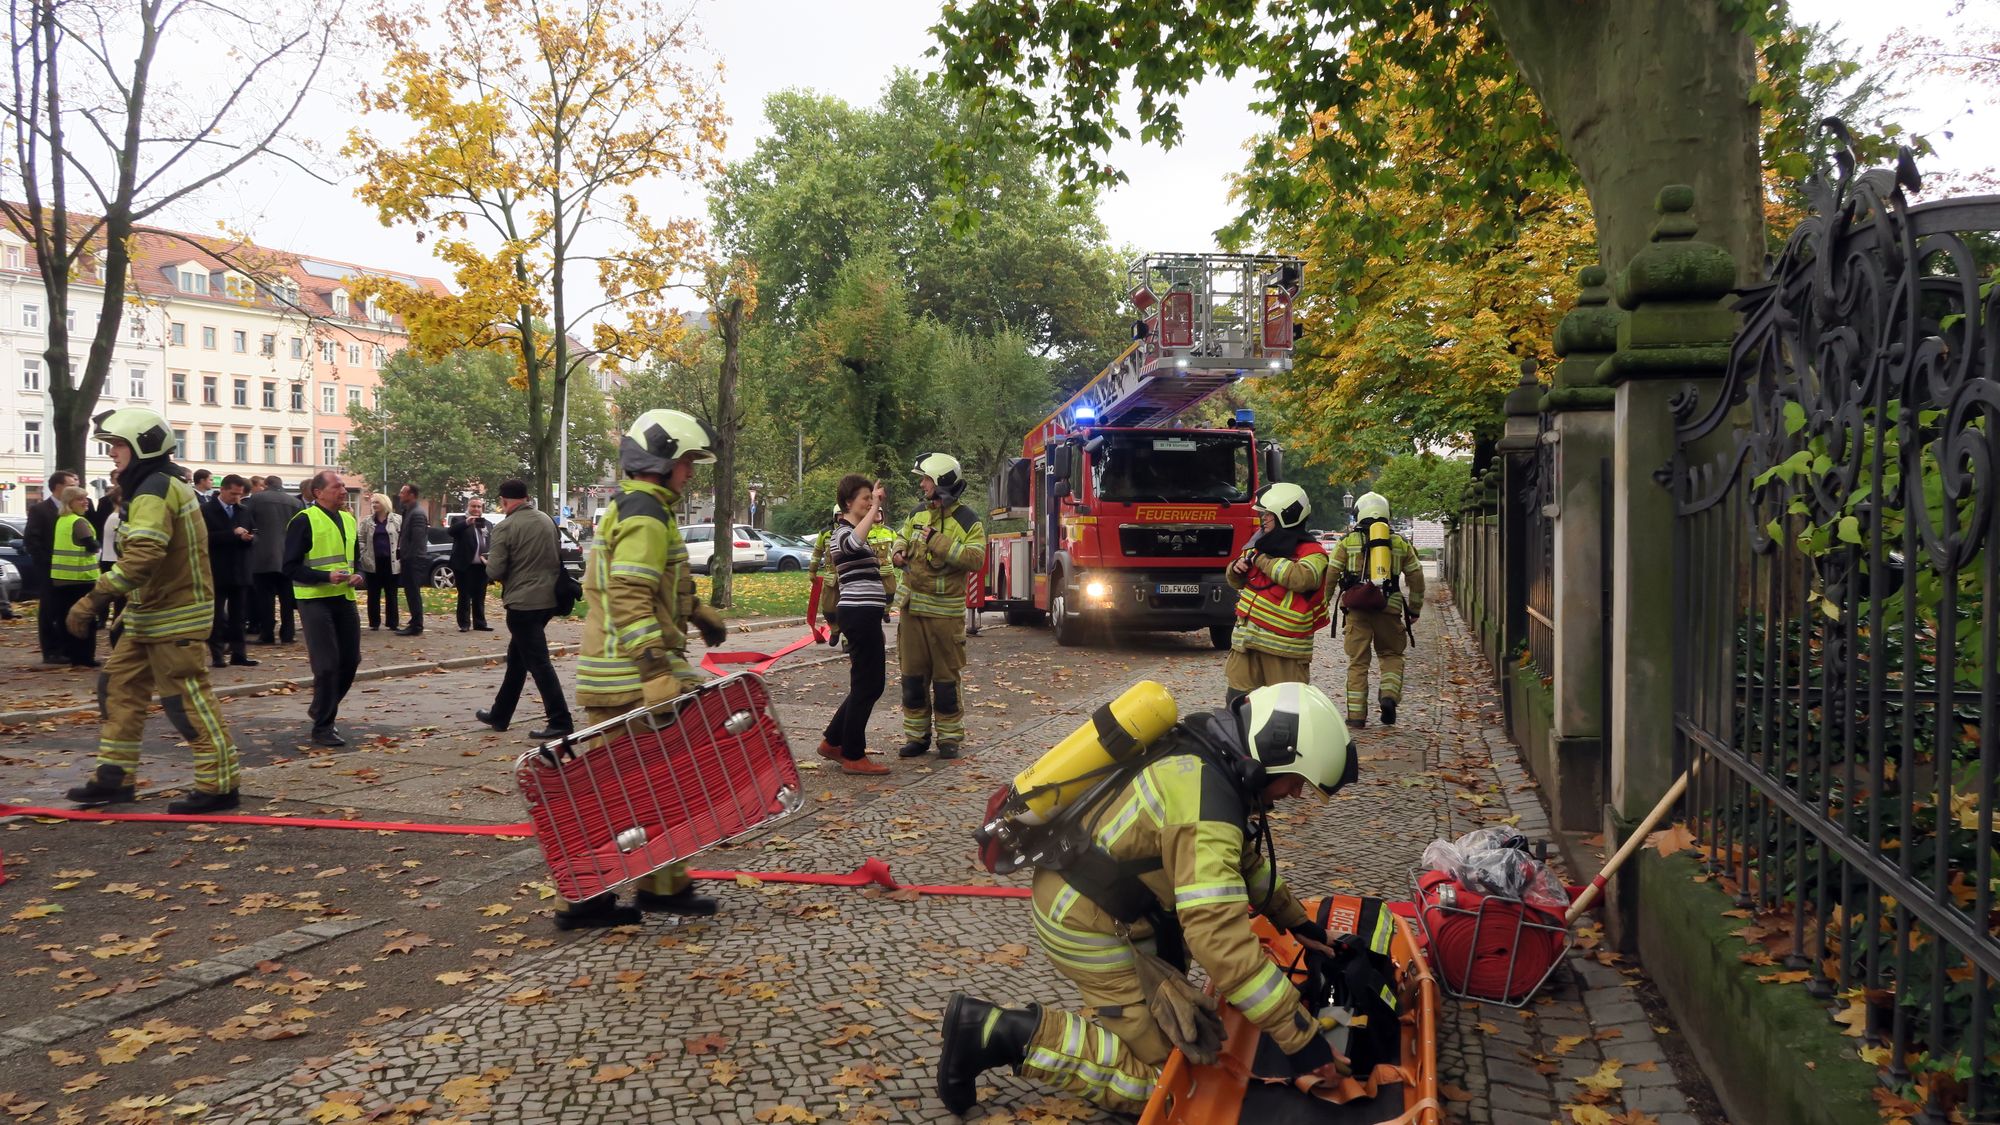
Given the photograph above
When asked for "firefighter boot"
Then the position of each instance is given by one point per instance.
(683, 901)
(199, 803)
(1388, 710)
(110, 785)
(593, 913)
(977, 1037)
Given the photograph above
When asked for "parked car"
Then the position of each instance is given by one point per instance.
(14, 550)
(437, 559)
(10, 580)
(781, 552)
(749, 550)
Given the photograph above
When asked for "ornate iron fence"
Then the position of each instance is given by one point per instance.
(1835, 629)
(1538, 551)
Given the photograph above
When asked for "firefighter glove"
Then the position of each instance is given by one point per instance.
(709, 624)
(1186, 1014)
(1312, 931)
(83, 615)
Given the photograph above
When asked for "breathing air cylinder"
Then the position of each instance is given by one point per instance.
(1119, 730)
(1377, 554)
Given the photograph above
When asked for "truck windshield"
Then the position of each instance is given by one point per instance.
(1172, 466)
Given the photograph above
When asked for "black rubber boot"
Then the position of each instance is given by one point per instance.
(597, 913)
(108, 786)
(977, 1037)
(1388, 712)
(914, 750)
(947, 750)
(199, 803)
(683, 901)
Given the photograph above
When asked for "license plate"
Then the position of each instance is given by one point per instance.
(1178, 588)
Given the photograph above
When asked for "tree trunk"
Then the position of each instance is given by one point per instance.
(729, 324)
(1646, 94)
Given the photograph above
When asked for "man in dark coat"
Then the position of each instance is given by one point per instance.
(273, 607)
(231, 531)
(470, 536)
(41, 545)
(416, 548)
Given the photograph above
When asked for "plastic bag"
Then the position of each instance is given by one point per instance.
(1495, 861)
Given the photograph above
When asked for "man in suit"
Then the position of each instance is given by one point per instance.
(470, 535)
(41, 545)
(271, 512)
(231, 531)
(416, 548)
(524, 556)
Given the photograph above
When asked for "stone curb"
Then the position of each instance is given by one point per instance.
(105, 1010)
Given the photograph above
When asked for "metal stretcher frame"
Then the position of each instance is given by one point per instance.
(658, 785)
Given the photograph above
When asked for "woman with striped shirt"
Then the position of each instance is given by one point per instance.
(863, 605)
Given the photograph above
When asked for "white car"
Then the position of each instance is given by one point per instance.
(748, 549)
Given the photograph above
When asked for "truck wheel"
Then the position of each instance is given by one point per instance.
(1218, 635)
(1069, 632)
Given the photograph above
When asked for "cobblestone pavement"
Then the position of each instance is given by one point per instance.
(827, 999)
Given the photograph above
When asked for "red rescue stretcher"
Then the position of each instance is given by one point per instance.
(658, 785)
(1227, 1092)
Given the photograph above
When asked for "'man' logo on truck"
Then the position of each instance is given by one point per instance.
(1169, 513)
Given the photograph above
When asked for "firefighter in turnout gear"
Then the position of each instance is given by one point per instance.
(1171, 862)
(160, 642)
(1380, 583)
(941, 549)
(640, 601)
(1281, 579)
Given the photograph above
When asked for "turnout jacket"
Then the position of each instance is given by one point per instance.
(1182, 825)
(943, 551)
(639, 597)
(162, 568)
(1282, 602)
(1349, 558)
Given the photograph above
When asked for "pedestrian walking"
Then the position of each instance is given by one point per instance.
(320, 560)
(1281, 601)
(469, 537)
(525, 557)
(40, 539)
(640, 601)
(415, 550)
(944, 548)
(231, 534)
(72, 574)
(1381, 586)
(382, 559)
(163, 571)
(863, 605)
(273, 607)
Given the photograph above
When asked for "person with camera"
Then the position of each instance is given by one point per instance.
(471, 538)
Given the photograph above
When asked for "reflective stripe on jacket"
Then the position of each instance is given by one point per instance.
(330, 548)
(638, 595)
(1283, 602)
(74, 558)
(936, 572)
(162, 568)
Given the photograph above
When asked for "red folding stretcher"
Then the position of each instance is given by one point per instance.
(658, 785)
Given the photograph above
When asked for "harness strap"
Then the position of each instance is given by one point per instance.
(1116, 740)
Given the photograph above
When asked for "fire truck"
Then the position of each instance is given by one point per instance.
(1132, 516)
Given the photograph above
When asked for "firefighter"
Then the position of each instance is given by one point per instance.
(163, 573)
(1381, 585)
(640, 599)
(940, 549)
(1281, 576)
(1171, 864)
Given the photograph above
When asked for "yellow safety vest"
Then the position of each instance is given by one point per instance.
(331, 548)
(71, 562)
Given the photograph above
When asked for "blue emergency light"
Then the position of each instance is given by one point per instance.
(1084, 414)
(1246, 417)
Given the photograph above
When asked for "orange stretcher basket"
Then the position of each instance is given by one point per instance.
(1225, 1092)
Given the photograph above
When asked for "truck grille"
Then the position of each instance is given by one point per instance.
(1179, 540)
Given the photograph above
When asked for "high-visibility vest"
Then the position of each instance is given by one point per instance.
(71, 561)
(1287, 613)
(331, 548)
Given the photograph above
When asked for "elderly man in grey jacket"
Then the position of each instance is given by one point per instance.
(524, 556)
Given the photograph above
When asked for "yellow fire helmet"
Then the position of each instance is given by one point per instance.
(942, 468)
(1295, 728)
(1373, 506)
(1286, 502)
(144, 430)
(658, 438)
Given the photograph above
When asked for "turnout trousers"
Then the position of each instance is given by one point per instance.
(1246, 671)
(178, 672)
(931, 651)
(1378, 633)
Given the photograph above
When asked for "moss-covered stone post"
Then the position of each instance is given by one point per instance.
(1672, 343)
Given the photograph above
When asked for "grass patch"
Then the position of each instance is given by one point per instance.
(763, 593)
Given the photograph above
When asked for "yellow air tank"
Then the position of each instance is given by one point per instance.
(1377, 553)
(1144, 713)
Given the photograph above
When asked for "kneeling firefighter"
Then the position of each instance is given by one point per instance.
(1381, 587)
(1147, 871)
(1282, 579)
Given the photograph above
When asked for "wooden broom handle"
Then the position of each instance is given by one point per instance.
(1632, 844)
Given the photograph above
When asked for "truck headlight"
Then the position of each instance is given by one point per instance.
(1095, 591)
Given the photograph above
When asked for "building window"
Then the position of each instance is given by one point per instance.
(381, 355)
(181, 442)
(353, 397)
(69, 319)
(299, 398)
(326, 451)
(340, 302)
(208, 337)
(31, 374)
(31, 316)
(180, 385)
(31, 436)
(270, 395)
(13, 257)
(239, 341)
(268, 345)
(243, 449)
(239, 392)
(354, 355)
(178, 333)
(298, 449)
(326, 393)
(138, 387)
(208, 440)
(298, 348)
(208, 390)
(193, 281)
(135, 326)
(326, 351)
(375, 397)
(270, 449)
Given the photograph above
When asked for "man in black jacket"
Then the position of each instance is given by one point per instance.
(416, 548)
(271, 512)
(41, 545)
(469, 538)
(231, 531)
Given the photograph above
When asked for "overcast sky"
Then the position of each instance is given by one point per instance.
(849, 48)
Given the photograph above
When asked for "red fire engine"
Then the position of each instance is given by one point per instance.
(1133, 518)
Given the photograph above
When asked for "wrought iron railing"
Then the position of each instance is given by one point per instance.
(1835, 629)
(1538, 555)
